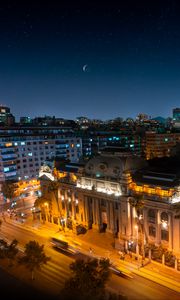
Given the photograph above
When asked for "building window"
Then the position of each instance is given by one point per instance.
(103, 202)
(63, 204)
(164, 217)
(77, 209)
(151, 216)
(152, 231)
(164, 235)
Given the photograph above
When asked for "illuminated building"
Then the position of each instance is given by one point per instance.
(6, 118)
(100, 194)
(176, 118)
(160, 145)
(23, 150)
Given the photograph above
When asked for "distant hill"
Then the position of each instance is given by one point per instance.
(160, 119)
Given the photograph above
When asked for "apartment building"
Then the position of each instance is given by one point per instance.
(23, 150)
(160, 144)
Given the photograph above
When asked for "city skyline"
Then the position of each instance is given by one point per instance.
(71, 59)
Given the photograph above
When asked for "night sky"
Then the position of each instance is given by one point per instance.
(101, 60)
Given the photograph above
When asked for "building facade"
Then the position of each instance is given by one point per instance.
(23, 150)
(160, 145)
(100, 196)
(6, 118)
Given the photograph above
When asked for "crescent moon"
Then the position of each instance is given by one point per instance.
(84, 68)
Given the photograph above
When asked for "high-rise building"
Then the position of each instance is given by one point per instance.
(6, 118)
(25, 120)
(176, 114)
(23, 150)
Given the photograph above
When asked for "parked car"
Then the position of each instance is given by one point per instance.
(80, 229)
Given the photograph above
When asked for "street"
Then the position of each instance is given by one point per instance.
(53, 275)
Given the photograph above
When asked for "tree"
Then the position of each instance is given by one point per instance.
(34, 257)
(3, 248)
(88, 280)
(12, 251)
(8, 189)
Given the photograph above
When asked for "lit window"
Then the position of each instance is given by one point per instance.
(30, 154)
(78, 145)
(15, 144)
(22, 143)
(6, 169)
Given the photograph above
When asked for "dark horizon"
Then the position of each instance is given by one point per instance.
(87, 59)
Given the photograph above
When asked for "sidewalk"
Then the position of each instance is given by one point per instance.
(102, 246)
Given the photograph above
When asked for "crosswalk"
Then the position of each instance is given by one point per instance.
(55, 273)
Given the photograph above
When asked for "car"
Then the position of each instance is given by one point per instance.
(117, 271)
(80, 229)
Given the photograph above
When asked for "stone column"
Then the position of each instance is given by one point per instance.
(108, 215)
(86, 210)
(170, 228)
(66, 204)
(98, 216)
(128, 218)
(158, 237)
(94, 211)
(73, 207)
(112, 217)
(119, 218)
(145, 225)
(134, 222)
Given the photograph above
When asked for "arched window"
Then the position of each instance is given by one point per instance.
(151, 216)
(152, 231)
(164, 216)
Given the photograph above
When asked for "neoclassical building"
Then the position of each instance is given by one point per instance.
(100, 194)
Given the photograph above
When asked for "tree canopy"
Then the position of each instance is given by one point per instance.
(88, 280)
(34, 257)
(8, 189)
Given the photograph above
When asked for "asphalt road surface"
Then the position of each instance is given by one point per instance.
(57, 270)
